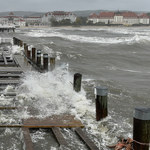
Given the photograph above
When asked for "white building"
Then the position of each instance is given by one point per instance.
(106, 17)
(118, 18)
(130, 18)
(11, 19)
(144, 19)
(58, 16)
(125, 18)
(94, 18)
(33, 20)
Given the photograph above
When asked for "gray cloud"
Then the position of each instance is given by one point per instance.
(68, 5)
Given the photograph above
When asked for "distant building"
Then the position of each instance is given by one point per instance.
(58, 16)
(118, 18)
(125, 18)
(34, 21)
(144, 19)
(93, 17)
(130, 18)
(106, 17)
(12, 19)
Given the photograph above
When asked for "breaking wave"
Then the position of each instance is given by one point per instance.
(136, 38)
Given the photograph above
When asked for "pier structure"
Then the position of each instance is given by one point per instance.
(7, 28)
(11, 72)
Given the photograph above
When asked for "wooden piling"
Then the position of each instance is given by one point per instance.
(45, 62)
(101, 103)
(141, 129)
(28, 52)
(52, 63)
(21, 43)
(33, 54)
(77, 82)
(25, 52)
(14, 40)
(38, 60)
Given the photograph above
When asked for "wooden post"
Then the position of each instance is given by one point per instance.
(33, 54)
(38, 60)
(14, 40)
(141, 129)
(28, 52)
(52, 63)
(45, 62)
(17, 41)
(101, 102)
(21, 43)
(25, 52)
(77, 82)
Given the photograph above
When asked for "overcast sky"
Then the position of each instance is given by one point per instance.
(71, 5)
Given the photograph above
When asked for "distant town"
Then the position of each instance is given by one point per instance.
(62, 18)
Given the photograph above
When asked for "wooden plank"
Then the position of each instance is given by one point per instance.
(59, 137)
(16, 62)
(5, 60)
(11, 82)
(12, 69)
(64, 121)
(8, 94)
(27, 139)
(9, 71)
(7, 107)
(11, 126)
(86, 140)
(8, 65)
(6, 75)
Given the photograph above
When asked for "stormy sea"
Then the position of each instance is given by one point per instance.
(115, 57)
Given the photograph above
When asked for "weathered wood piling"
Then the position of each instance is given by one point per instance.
(101, 102)
(141, 129)
(77, 82)
(33, 54)
(38, 58)
(5, 28)
(28, 52)
(52, 63)
(45, 62)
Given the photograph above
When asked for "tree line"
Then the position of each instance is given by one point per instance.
(80, 21)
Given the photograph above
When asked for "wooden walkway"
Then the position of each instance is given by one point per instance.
(11, 71)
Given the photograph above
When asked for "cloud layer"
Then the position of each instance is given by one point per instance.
(71, 5)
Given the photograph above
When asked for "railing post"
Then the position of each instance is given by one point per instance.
(77, 82)
(25, 50)
(14, 40)
(38, 60)
(141, 129)
(45, 62)
(21, 43)
(33, 54)
(101, 102)
(28, 52)
(52, 63)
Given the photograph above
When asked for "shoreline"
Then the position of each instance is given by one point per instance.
(85, 27)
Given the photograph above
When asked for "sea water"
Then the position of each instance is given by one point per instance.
(115, 57)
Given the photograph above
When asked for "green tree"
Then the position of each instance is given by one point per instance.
(54, 22)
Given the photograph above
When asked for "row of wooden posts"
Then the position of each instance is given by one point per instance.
(7, 29)
(34, 56)
(141, 120)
